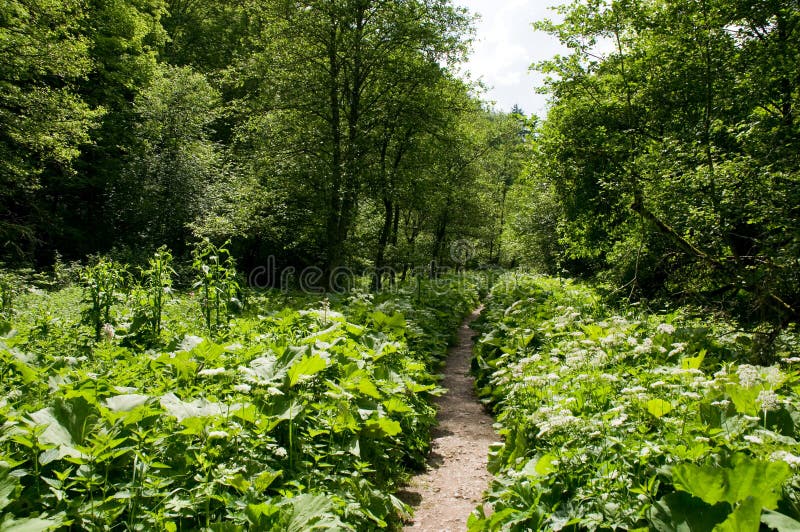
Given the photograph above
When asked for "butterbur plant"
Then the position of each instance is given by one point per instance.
(307, 417)
(217, 284)
(102, 282)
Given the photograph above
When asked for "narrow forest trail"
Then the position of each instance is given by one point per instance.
(444, 495)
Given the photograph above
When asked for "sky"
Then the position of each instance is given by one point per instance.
(505, 47)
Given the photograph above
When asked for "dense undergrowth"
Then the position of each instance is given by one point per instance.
(629, 420)
(296, 413)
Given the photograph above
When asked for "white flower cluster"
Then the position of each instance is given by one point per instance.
(786, 456)
(561, 420)
(211, 372)
(748, 375)
(665, 328)
(768, 400)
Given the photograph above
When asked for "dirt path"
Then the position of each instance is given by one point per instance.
(445, 494)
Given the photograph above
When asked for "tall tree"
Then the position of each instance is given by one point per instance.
(652, 146)
(44, 120)
(170, 166)
(328, 71)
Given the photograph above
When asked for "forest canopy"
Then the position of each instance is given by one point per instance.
(323, 133)
(668, 163)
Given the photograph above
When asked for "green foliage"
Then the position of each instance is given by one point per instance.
(217, 283)
(102, 284)
(11, 284)
(45, 120)
(307, 416)
(153, 293)
(628, 420)
(171, 161)
(654, 140)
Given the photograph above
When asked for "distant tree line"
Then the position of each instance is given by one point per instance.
(325, 132)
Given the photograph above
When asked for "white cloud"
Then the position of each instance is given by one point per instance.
(505, 47)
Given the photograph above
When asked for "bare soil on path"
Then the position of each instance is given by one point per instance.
(456, 477)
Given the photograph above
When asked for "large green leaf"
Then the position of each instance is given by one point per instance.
(54, 433)
(394, 323)
(779, 521)
(396, 405)
(126, 402)
(744, 399)
(680, 512)
(35, 524)
(264, 371)
(745, 478)
(541, 465)
(658, 407)
(197, 408)
(8, 485)
(385, 425)
(311, 512)
(306, 367)
(745, 518)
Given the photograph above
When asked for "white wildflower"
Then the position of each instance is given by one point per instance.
(211, 372)
(692, 395)
(702, 439)
(773, 376)
(677, 348)
(665, 328)
(218, 435)
(618, 421)
(242, 388)
(562, 420)
(634, 389)
(791, 360)
(753, 439)
(748, 375)
(723, 403)
(608, 340)
(280, 452)
(644, 347)
(789, 458)
(107, 332)
(649, 449)
(632, 341)
(768, 400)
